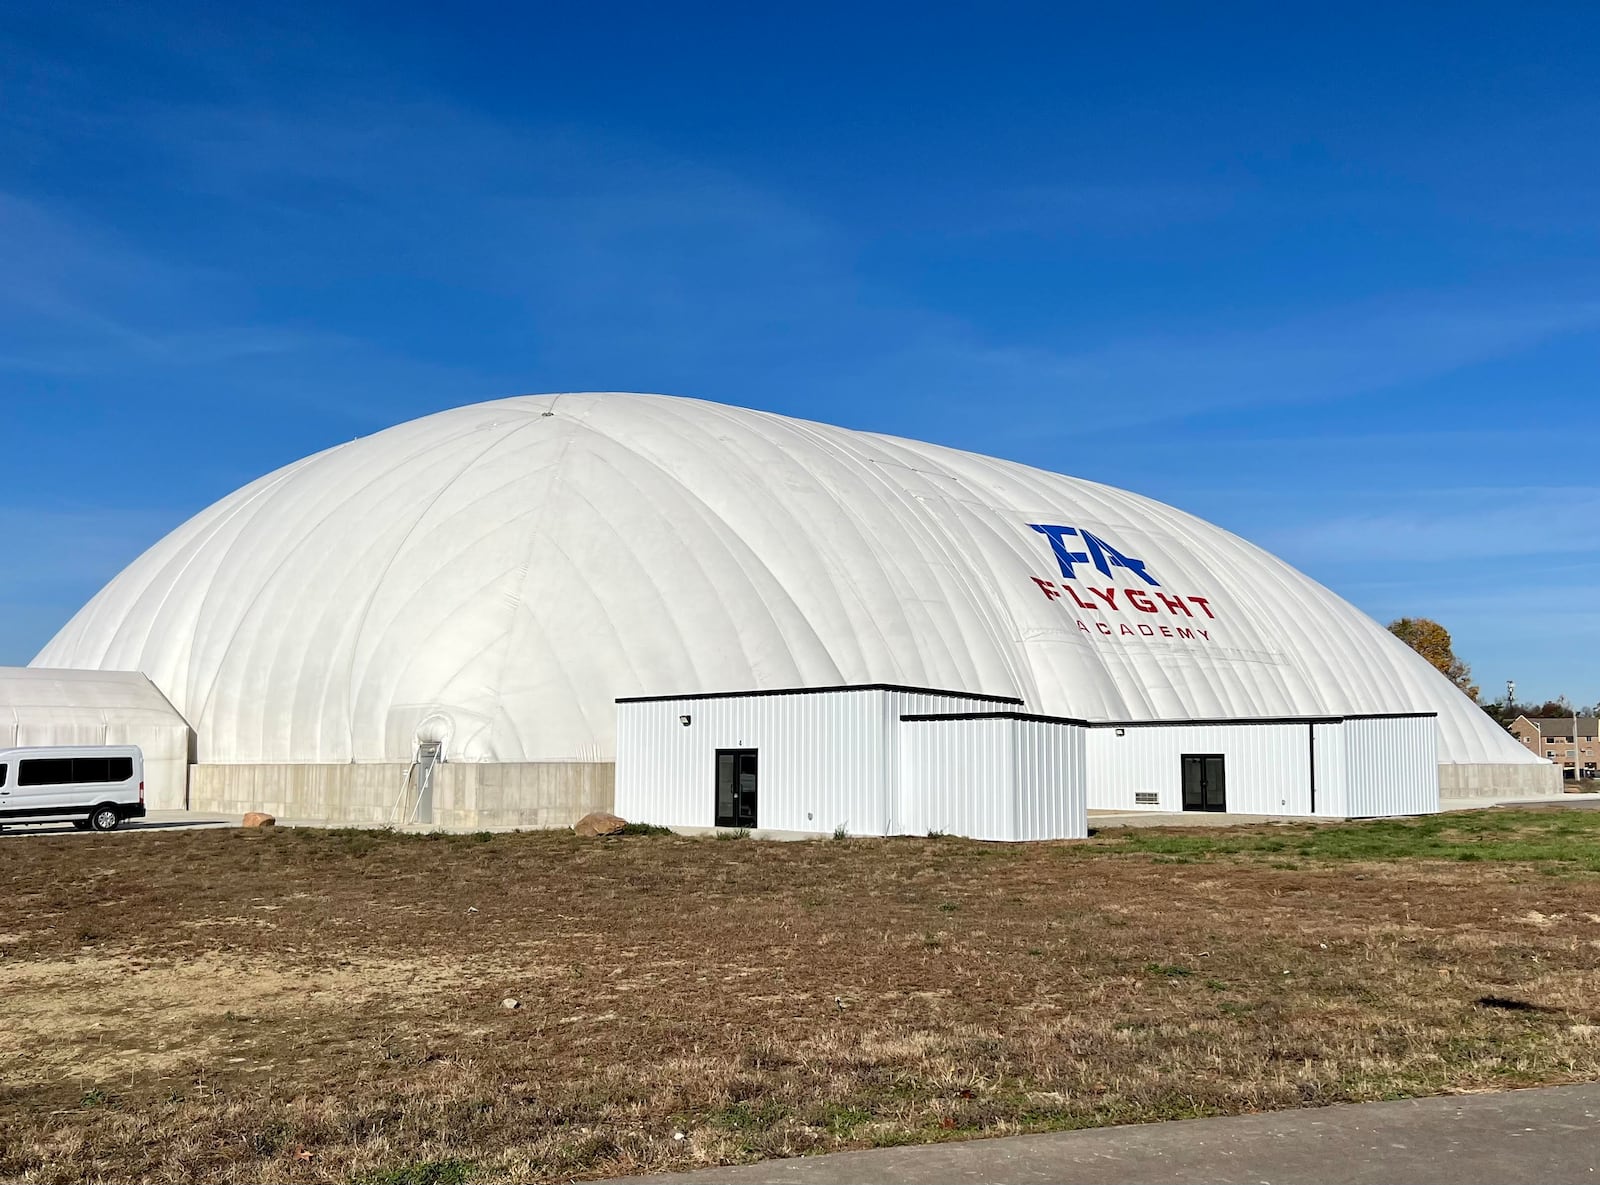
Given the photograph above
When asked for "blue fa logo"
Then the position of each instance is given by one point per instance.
(1097, 552)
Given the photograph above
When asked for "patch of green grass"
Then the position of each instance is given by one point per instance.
(746, 1116)
(733, 833)
(842, 1120)
(423, 1172)
(1570, 839)
(644, 829)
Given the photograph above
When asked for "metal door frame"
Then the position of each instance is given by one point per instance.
(1205, 806)
(736, 819)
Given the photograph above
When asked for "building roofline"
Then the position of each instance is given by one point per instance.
(917, 717)
(1250, 720)
(1017, 703)
(944, 691)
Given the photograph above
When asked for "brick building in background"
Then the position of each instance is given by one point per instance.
(1553, 739)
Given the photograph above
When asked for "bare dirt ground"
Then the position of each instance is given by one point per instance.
(301, 1005)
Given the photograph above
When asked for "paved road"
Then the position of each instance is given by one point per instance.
(1544, 1136)
(154, 821)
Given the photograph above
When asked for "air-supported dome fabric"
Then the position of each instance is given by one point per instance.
(496, 575)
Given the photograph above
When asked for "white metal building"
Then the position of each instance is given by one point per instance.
(1337, 767)
(822, 758)
(883, 760)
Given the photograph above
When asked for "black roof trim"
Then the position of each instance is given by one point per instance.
(657, 699)
(1168, 723)
(1339, 719)
(995, 716)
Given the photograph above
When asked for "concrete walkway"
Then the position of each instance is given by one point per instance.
(1586, 798)
(1100, 820)
(154, 821)
(1533, 1136)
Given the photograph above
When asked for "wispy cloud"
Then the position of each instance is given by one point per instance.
(79, 300)
(1337, 354)
(1485, 526)
(571, 257)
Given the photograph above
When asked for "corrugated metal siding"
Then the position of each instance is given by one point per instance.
(1330, 750)
(844, 758)
(913, 703)
(997, 778)
(827, 759)
(821, 759)
(958, 777)
(1392, 766)
(1050, 781)
(1267, 766)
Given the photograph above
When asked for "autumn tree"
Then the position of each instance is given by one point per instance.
(1432, 641)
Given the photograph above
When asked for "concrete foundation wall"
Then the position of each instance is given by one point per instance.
(1498, 781)
(467, 796)
(471, 795)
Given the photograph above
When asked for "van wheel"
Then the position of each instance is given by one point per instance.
(104, 818)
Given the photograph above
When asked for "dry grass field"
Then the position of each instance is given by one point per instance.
(301, 1005)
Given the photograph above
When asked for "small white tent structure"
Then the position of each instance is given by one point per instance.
(67, 707)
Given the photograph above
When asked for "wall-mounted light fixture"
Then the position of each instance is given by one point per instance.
(1119, 732)
(683, 720)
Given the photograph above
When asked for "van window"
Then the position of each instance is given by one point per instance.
(52, 771)
(91, 769)
(62, 771)
(3, 769)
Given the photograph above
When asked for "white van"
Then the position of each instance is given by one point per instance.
(95, 786)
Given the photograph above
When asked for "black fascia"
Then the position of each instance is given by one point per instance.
(944, 691)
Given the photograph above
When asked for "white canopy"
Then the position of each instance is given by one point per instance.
(75, 707)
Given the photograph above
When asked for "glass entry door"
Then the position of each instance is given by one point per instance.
(1205, 783)
(736, 787)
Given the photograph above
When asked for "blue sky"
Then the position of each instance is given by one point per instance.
(1326, 276)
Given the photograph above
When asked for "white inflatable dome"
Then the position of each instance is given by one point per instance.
(495, 576)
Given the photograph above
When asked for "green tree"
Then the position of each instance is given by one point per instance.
(1432, 641)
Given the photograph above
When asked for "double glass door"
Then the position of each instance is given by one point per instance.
(736, 788)
(1205, 783)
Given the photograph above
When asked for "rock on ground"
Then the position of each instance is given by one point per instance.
(599, 823)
